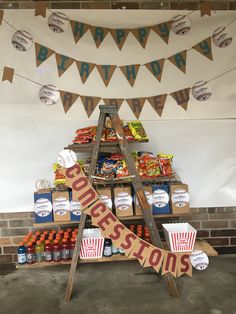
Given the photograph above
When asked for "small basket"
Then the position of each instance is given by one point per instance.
(92, 244)
(180, 237)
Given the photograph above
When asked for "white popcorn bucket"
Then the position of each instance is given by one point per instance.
(180, 237)
(92, 244)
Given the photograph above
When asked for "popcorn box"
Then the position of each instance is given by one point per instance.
(43, 207)
(160, 199)
(61, 206)
(180, 237)
(92, 244)
(75, 208)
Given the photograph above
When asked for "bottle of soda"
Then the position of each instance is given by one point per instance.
(107, 248)
(37, 234)
(56, 251)
(39, 252)
(48, 251)
(65, 250)
(30, 253)
(21, 253)
(72, 247)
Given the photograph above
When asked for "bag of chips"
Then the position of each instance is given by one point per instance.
(137, 130)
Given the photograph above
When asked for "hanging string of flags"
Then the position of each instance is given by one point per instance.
(50, 95)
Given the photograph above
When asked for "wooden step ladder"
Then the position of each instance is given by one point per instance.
(111, 112)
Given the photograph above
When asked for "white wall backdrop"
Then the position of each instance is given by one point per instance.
(202, 138)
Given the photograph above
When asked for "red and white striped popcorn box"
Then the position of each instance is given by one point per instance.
(180, 237)
(92, 244)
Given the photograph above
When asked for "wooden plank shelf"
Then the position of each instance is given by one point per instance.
(123, 180)
(105, 147)
(199, 245)
(134, 217)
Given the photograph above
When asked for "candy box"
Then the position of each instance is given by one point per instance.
(148, 193)
(61, 206)
(123, 201)
(92, 244)
(75, 208)
(180, 237)
(161, 199)
(179, 198)
(43, 207)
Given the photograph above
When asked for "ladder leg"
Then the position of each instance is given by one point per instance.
(75, 258)
(150, 222)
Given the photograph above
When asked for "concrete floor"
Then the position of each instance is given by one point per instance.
(118, 288)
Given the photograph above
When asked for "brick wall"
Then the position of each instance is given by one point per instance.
(130, 4)
(216, 225)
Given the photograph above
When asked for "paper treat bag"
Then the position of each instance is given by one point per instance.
(179, 198)
(123, 201)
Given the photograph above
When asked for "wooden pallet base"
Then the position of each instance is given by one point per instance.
(199, 245)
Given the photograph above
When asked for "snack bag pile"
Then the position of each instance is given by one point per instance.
(111, 166)
(133, 130)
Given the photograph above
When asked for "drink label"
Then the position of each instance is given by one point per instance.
(56, 255)
(47, 256)
(30, 258)
(65, 254)
(39, 257)
(22, 258)
(107, 251)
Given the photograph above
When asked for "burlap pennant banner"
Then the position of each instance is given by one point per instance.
(134, 247)
(179, 60)
(130, 72)
(158, 103)
(182, 97)
(106, 72)
(141, 34)
(90, 103)
(68, 99)
(85, 69)
(204, 47)
(170, 264)
(63, 63)
(42, 53)
(41, 8)
(78, 29)
(114, 101)
(136, 105)
(205, 8)
(119, 36)
(99, 34)
(163, 30)
(8, 74)
(156, 68)
(1, 16)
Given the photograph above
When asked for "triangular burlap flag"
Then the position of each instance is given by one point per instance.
(169, 264)
(78, 29)
(114, 101)
(119, 36)
(90, 103)
(99, 34)
(106, 72)
(8, 74)
(141, 34)
(163, 30)
(63, 63)
(1, 16)
(158, 103)
(184, 265)
(154, 258)
(156, 68)
(42, 53)
(181, 97)
(140, 251)
(85, 69)
(204, 47)
(205, 8)
(68, 99)
(179, 60)
(136, 105)
(132, 243)
(130, 72)
(40, 8)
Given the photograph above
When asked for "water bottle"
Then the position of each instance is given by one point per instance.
(21, 253)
